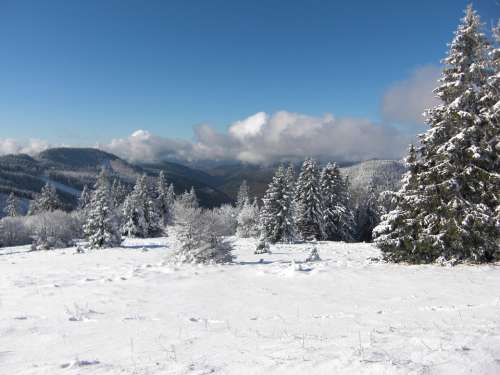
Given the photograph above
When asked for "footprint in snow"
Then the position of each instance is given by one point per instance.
(80, 363)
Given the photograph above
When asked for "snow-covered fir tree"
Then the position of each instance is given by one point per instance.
(133, 223)
(187, 221)
(166, 199)
(101, 227)
(367, 215)
(309, 203)
(446, 207)
(398, 230)
(84, 199)
(490, 111)
(46, 201)
(118, 192)
(248, 220)
(189, 198)
(11, 208)
(276, 216)
(336, 210)
(140, 212)
(243, 196)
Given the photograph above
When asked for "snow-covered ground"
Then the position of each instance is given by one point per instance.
(126, 311)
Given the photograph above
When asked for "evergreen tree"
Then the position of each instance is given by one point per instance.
(276, 218)
(243, 195)
(118, 192)
(367, 215)
(46, 201)
(446, 206)
(101, 227)
(189, 199)
(398, 230)
(309, 202)
(337, 214)
(12, 207)
(84, 199)
(140, 212)
(133, 218)
(490, 111)
(347, 225)
(166, 199)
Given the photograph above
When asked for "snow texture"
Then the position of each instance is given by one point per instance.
(127, 311)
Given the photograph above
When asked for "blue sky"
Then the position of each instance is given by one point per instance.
(80, 72)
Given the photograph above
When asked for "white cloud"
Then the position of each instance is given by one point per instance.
(405, 101)
(32, 147)
(249, 127)
(144, 146)
(264, 138)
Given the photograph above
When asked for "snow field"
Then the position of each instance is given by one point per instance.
(128, 311)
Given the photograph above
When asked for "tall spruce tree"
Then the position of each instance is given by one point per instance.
(101, 227)
(85, 198)
(309, 214)
(347, 223)
(337, 215)
(118, 192)
(166, 199)
(12, 207)
(367, 215)
(243, 196)
(446, 207)
(491, 108)
(276, 216)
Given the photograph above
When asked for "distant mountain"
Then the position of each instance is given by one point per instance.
(69, 169)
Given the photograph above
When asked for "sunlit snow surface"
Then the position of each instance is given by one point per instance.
(127, 311)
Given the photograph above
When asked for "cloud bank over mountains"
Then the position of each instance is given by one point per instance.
(31, 147)
(267, 138)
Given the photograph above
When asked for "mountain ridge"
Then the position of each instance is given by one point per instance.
(70, 168)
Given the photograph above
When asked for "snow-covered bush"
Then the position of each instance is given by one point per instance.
(248, 221)
(51, 230)
(14, 232)
(78, 219)
(201, 235)
(227, 218)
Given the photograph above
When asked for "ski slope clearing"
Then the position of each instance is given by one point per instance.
(127, 311)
